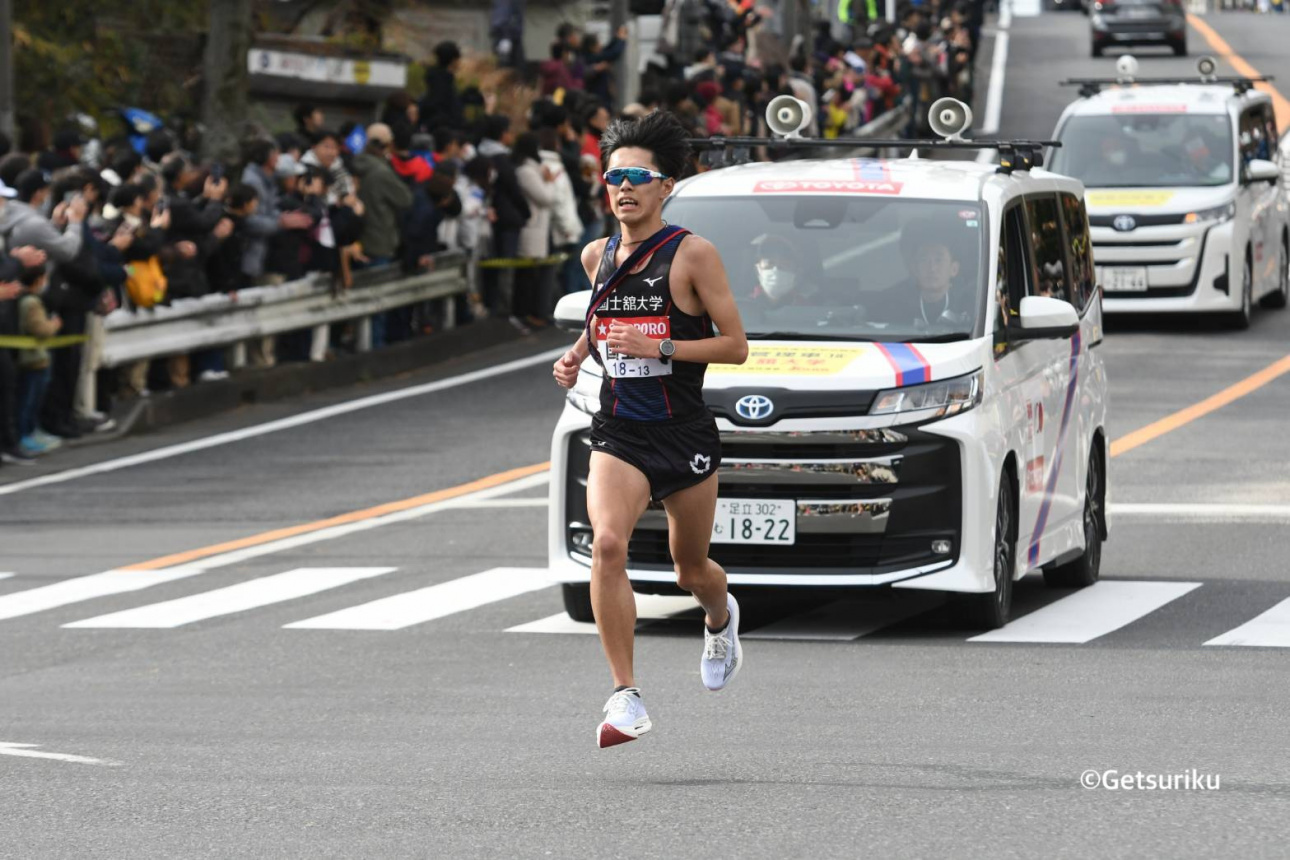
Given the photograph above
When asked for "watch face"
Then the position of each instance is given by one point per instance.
(667, 348)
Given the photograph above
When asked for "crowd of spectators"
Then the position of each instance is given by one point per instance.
(85, 230)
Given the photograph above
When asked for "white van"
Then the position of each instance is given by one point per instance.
(872, 439)
(1185, 192)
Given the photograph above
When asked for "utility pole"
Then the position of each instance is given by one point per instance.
(224, 109)
(7, 124)
(628, 83)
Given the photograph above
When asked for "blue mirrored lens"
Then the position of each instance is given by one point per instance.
(634, 175)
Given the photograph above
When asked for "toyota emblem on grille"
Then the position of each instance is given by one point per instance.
(1124, 223)
(754, 407)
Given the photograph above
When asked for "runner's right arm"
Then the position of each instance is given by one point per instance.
(567, 366)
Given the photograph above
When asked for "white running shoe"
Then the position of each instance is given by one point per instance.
(723, 656)
(625, 719)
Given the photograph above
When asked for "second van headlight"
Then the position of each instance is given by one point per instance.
(932, 400)
(1226, 212)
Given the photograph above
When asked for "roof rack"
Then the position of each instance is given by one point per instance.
(1092, 86)
(1014, 154)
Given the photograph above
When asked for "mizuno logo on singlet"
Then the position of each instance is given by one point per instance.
(652, 281)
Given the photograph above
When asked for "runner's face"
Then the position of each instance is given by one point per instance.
(637, 204)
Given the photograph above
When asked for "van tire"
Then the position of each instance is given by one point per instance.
(1281, 297)
(1240, 320)
(577, 601)
(991, 610)
(1085, 570)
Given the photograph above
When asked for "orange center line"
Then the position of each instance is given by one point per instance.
(1236, 61)
(1185, 416)
(343, 519)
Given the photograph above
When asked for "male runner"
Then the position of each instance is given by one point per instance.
(658, 292)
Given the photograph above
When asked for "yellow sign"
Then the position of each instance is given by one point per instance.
(793, 360)
(1128, 198)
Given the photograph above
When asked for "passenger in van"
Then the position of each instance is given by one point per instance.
(929, 297)
(782, 277)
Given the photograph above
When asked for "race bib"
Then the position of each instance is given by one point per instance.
(620, 366)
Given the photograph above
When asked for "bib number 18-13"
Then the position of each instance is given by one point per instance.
(621, 366)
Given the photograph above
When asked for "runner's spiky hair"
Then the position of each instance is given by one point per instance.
(660, 132)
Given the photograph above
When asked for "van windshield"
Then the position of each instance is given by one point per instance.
(847, 268)
(1147, 150)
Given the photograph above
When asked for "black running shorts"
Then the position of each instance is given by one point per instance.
(673, 455)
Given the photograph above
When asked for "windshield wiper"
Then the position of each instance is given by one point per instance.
(949, 337)
(799, 335)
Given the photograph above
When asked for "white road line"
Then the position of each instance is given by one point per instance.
(507, 503)
(5, 575)
(845, 620)
(81, 588)
(1091, 612)
(649, 607)
(235, 598)
(1269, 630)
(435, 601)
(281, 424)
(30, 751)
(118, 581)
(1201, 512)
(994, 95)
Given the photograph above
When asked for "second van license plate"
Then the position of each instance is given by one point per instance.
(760, 521)
(1122, 279)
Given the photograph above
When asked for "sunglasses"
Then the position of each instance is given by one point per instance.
(634, 175)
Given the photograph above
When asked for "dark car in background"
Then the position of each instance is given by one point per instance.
(1116, 23)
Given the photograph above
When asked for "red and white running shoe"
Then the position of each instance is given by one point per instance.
(625, 719)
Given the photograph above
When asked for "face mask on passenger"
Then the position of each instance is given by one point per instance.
(776, 282)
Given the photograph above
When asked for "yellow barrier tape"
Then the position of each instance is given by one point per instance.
(14, 342)
(522, 262)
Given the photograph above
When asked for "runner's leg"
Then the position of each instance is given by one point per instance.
(617, 495)
(689, 528)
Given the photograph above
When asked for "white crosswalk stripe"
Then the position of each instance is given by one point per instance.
(435, 601)
(235, 598)
(845, 620)
(82, 588)
(1269, 630)
(649, 607)
(1095, 611)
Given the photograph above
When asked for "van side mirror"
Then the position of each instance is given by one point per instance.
(1261, 170)
(571, 310)
(1044, 318)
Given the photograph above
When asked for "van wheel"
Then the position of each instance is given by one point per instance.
(1180, 49)
(991, 610)
(1084, 571)
(1096, 51)
(577, 601)
(1281, 297)
(1240, 320)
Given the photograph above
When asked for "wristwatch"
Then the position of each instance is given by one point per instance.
(666, 349)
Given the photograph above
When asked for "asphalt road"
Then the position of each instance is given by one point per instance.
(453, 735)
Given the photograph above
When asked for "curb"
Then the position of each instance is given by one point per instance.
(262, 385)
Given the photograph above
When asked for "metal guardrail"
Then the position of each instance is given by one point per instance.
(888, 124)
(221, 320)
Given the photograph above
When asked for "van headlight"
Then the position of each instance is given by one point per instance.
(1218, 214)
(932, 400)
(585, 394)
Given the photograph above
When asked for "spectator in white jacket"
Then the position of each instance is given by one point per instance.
(566, 226)
(537, 181)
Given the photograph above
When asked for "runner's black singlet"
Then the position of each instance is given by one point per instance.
(647, 389)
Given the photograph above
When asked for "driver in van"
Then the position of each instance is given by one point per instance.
(928, 298)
